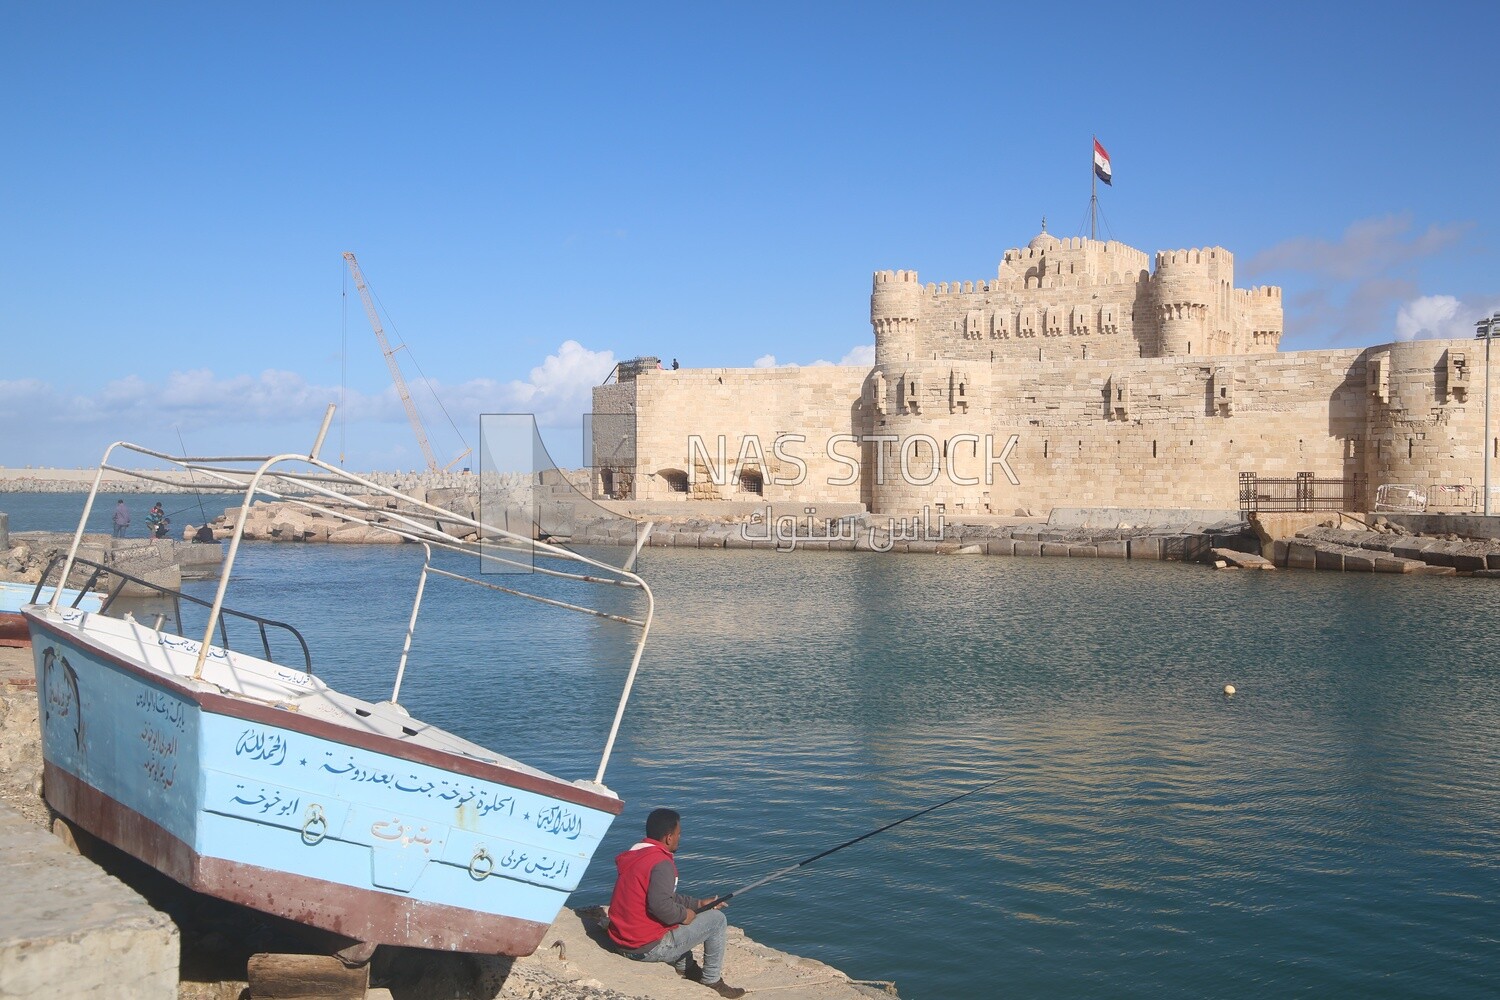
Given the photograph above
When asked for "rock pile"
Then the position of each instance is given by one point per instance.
(1387, 548)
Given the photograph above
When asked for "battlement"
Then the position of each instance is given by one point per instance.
(1259, 293)
(1197, 255)
(1112, 250)
(890, 277)
(1050, 280)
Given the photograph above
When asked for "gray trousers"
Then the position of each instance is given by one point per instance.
(708, 929)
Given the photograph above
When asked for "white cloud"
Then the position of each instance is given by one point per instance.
(1427, 318)
(1368, 246)
(263, 412)
(1438, 317)
(863, 355)
(559, 391)
(1349, 290)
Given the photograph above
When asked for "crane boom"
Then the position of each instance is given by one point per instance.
(390, 360)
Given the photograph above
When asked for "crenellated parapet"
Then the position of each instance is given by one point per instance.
(1092, 299)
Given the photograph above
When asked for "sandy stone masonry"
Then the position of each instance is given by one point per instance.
(1079, 376)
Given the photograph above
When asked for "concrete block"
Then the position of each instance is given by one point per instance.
(1300, 555)
(1410, 550)
(1000, 547)
(1456, 554)
(1180, 548)
(1023, 548)
(1148, 547)
(1358, 562)
(1055, 548)
(1436, 571)
(1440, 554)
(1328, 559)
(1279, 550)
(1390, 564)
(1114, 549)
(1083, 551)
(67, 929)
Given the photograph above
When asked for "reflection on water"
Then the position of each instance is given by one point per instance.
(1328, 831)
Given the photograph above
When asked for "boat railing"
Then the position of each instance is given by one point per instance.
(116, 581)
(332, 491)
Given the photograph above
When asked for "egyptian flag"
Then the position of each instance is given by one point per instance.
(1101, 164)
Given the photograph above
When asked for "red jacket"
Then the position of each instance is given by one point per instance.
(630, 925)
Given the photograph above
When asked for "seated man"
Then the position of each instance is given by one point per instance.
(650, 922)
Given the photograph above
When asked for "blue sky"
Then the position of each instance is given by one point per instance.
(536, 192)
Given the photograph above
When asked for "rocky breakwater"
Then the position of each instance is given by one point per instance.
(517, 502)
(1348, 546)
(158, 562)
(283, 521)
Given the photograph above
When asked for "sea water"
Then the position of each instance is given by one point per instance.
(1330, 830)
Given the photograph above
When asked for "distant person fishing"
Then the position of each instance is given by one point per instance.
(157, 522)
(121, 519)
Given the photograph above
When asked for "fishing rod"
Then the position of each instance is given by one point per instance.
(720, 900)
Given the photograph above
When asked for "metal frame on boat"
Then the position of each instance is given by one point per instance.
(256, 782)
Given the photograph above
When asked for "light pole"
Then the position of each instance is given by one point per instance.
(1486, 328)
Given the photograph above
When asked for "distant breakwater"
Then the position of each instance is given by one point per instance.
(82, 480)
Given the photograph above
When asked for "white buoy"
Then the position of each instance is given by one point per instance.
(1228, 690)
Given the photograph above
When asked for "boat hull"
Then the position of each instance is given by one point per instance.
(13, 630)
(340, 828)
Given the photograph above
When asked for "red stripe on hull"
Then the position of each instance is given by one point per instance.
(360, 914)
(13, 629)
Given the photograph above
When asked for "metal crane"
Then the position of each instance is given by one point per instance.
(390, 360)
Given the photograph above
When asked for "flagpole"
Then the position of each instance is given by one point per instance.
(1093, 194)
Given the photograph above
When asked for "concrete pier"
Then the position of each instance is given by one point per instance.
(69, 930)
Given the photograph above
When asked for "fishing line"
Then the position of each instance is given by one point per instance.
(192, 476)
(718, 900)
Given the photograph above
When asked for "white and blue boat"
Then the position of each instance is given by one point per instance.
(14, 596)
(251, 780)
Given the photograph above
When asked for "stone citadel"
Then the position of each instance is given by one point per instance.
(1080, 375)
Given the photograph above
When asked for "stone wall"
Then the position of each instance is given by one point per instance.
(731, 434)
(1148, 432)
